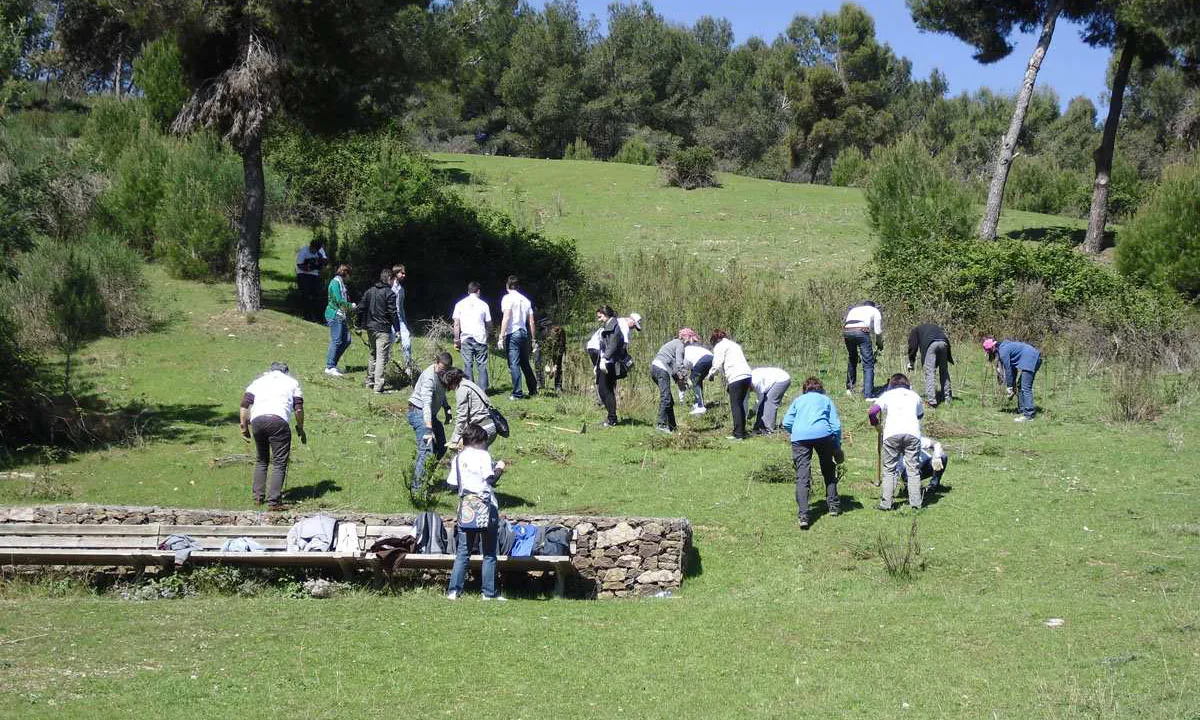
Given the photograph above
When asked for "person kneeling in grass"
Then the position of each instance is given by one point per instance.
(812, 419)
(902, 409)
(474, 475)
(931, 464)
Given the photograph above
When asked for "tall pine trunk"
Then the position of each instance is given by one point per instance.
(1008, 146)
(246, 274)
(1098, 215)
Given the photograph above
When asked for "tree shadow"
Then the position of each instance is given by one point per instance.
(310, 492)
(1058, 233)
(453, 175)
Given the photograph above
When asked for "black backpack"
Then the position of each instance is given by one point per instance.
(553, 540)
(432, 538)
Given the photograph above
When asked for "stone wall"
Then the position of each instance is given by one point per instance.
(614, 557)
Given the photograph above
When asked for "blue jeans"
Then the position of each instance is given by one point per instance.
(339, 341)
(1025, 404)
(858, 346)
(416, 419)
(400, 331)
(699, 372)
(464, 541)
(519, 346)
(475, 355)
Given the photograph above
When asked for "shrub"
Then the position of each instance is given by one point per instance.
(910, 198)
(112, 126)
(317, 174)
(850, 169)
(578, 150)
(158, 72)
(76, 310)
(129, 207)
(1160, 245)
(691, 168)
(201, 195)
(635, 151)
(1038, 184)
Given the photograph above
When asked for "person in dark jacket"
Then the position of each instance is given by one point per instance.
(612, 354)
(1012, 356)
(377, 313)
(933, 345)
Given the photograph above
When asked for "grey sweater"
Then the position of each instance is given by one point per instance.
(429, 394)
(670, 356)
(470, 406)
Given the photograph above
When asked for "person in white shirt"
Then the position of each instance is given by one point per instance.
(729, 360)
(931, 463)
(699, 360)
(517, 330)
(472, 326)
(309, 262)
(267, 407)
(862, 322)
(629, 324)
(770, 385)
(472, 472)
(902, 410)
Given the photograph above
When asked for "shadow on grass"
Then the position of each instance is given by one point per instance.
(1072, 236)
(846, 504)
(456, 176)
(310, 492)
(693, 564)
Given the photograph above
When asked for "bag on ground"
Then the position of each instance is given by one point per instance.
(432, 538)
(524, 536)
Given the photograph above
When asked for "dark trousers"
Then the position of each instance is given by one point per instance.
(699, 372)
(666, 397)
(311, 302)
(273, 442)
(826, 449)
(858, 346)
(606, 385)
(737, 405)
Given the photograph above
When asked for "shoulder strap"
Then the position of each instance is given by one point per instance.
(482, 399)
(458, 474)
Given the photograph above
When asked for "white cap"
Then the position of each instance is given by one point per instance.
(637, 320)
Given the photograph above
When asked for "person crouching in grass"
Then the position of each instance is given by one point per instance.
(902, 410)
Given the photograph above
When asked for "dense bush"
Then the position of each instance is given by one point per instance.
(112, 127)
(850, 169)
(578, 150)
(318, 173)
(158, 72)
(911, 197)
(691, 168)
(1160, 245)
(635, 151)
(129, 207)
(1038, 184)
(402, 212)
(201, 194)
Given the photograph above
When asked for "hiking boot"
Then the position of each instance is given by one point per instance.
(804, 523)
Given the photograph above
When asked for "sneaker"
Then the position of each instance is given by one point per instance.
(804, 522)
(734, 437)
(834, 512)
(516, 397)
(333, 372)
(497, 598)
(664, 429)
(699, 410)
(452, 595)
(607, 424)
(1022, 418)
(680, 396)
(931, 403)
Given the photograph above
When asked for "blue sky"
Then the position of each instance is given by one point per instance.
(1071, 67)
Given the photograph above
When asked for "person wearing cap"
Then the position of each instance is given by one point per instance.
(862, 322)
(266, 409)
(770, 384)
(814, 426)
(629, 324)
(933, 345)
(730, 361)
(517, 330)
(472, 326)
(699, 361)
(902, 412)
(668, 365)
(1013, 356)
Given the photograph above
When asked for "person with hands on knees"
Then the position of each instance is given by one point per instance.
(1010, 357)
(902, 410)
(814, 426)
(267, 406)
(862, 321)
(428, 398)
(474, 475)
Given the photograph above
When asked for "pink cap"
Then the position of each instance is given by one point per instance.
(989, 344)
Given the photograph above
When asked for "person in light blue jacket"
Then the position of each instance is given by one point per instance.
(1014, 356)
(812, 419)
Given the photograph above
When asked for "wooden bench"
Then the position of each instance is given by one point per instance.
(137, 546)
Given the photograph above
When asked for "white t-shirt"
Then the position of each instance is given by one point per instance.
(274, 394)
(518, 307)
(764, 377)
(902, 410)
(729, 359)
(693, 354)
(593, 342)
(476, 467)
(865, 317)
(473, 315)
(623, 323)
(306, 253)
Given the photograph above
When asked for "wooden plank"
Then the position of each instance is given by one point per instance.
(378, 531)
(215, 543)
(275, 559)
(97, 542)
(227, 531)
(34, 556)
(503, 562)
(50, 529)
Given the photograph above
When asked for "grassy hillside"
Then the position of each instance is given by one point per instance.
(1070, 517)
(800, 230)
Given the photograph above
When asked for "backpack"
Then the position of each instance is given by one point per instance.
(432, 538)
(524, 539)
(504, 537)
(554, 540)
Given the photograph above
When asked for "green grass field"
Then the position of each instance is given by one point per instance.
(1071, 517)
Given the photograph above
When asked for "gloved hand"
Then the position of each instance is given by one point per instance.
(246, 434)
(428, 439)
(534, 348)
(602, 366)
(302, 435)
(1008, 393)
(909, 367)
(937, 464)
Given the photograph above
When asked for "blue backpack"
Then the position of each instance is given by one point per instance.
(524, 540)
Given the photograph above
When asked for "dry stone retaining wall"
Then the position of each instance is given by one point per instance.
(614, 557)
